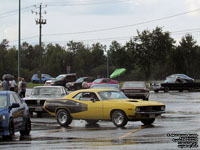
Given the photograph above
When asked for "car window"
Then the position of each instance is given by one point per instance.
(134, 84)
(17, 98)
(86, 96)
(108, 95)
(3, 101)
(12, 99)
(46, 91)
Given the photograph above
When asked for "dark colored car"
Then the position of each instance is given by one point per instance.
(105, 86)
(103, 81)
(62, 79)
(40, 94)
(14, 115)
(78, 83)
(135, 89)
(178, 82)
(44, 78)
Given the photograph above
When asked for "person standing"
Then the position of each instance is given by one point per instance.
(12, 85)
(5, 85)
(23, 88)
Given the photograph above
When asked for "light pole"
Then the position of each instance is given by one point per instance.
(107, 52)
(19, 40)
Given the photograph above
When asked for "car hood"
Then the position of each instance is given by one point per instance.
(134, 88)
(137, 102)
(52, 80)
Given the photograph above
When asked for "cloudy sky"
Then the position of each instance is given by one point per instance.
(103, 21)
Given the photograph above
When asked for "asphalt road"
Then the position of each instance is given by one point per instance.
(179, 127)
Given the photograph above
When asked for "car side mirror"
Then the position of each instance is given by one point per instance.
(14, 105)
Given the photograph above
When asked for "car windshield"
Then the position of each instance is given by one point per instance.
(170, 80)
(97, 80)
(79, 80)
(3, 101)
(108, 95)
(60, 77)
(134, 84)
(105, 86)
(46, 75)
(46, 92)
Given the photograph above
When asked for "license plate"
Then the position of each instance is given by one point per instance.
(151, 115)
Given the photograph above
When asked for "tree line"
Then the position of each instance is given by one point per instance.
(151, 55)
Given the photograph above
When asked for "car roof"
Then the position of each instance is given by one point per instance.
(94, 90)
(49, 87)
(134, 82)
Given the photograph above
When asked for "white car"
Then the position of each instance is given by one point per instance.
(40, 94)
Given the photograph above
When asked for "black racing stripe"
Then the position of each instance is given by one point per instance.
(72, 106)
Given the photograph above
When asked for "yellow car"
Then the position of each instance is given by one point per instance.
(103, 104)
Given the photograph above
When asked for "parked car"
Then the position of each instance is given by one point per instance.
(135, 89)
(178, 82)
(40, 94)
(105, 86)
(103, 81)
(44, 78)
(14, 115)
(78, 83)
(103, 104)
(62, 79)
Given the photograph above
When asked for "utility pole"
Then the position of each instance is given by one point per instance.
(40, 21)
(19, 41)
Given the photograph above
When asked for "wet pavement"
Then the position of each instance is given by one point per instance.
(177, 128)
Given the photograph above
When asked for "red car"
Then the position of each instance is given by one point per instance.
(135, 89)
(103, 81)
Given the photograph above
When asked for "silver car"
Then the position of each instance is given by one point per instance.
(40, 94)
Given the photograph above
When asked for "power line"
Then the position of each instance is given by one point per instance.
(118, 27)
(14, 12)
(87, 3)
(195, 30)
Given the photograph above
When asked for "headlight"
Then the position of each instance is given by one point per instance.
(137, 109)
(2, 117)
(162, 108)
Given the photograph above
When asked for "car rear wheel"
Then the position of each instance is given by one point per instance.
(148, 121)
(27, 128)
(119, 118)
(63, 117)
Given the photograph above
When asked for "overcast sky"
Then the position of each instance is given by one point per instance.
(103, 21)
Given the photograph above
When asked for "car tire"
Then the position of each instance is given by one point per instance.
(156, 91)
(166, 89)
(148, 121)
(27, 128)
(119, 118)
(92, 121)
(63, 117)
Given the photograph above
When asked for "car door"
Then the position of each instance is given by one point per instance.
(14, 113)
(20, 111)
(94, 105)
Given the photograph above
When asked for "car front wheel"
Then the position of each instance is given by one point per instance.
(148, 121)
(27, 128)
(119, 118)
(63, 117)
